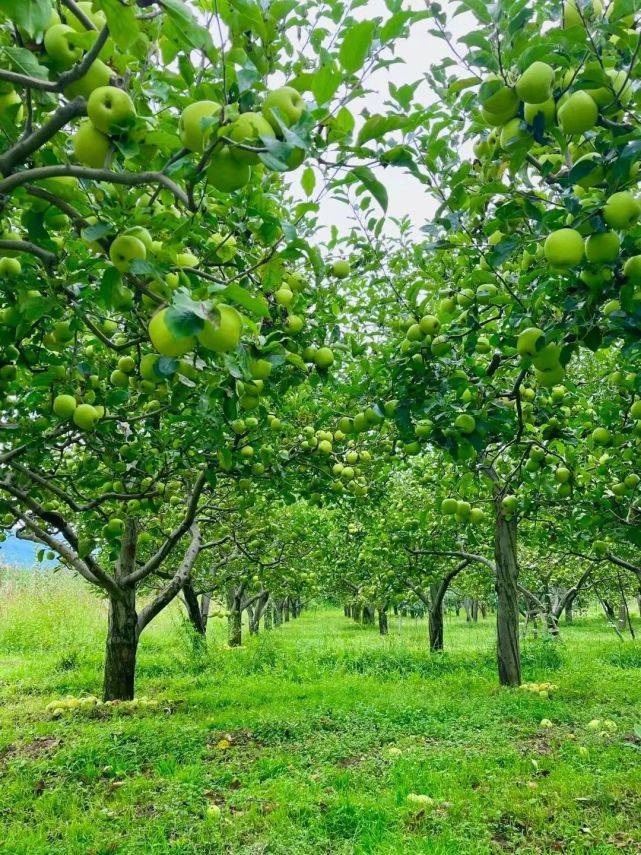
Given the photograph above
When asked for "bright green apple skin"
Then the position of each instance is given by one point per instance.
(59, 47)
(288, 103)
(124, 249)
(222, 334)
(98, 75)
(225, 173)
(90, 146)
(110, 108)
(248, 130)
(190, 128)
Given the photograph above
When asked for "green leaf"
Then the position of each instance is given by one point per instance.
(97, 231)
(24, 62)
(377, 126)
(308, 181)
(371, 183)
(237, 294)
(190, 32)
(183, 322)
(33, 16)
(123, 26)
(325, 83)
(356, 44)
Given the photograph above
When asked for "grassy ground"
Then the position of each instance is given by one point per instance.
(311, 738)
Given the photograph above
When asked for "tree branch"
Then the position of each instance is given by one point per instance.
(129, 179)
(156, 560)
(47, 258)
(25, 147)
(173, 588)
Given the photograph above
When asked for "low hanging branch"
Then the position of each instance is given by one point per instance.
(128, 179)
(47, 258)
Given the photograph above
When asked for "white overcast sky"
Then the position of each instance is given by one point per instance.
(406, 195)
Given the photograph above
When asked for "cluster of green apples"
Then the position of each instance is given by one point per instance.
(90, 704)
(236, 145)
(368, 419)
(462, 511)
(424, 334)
(543, 690)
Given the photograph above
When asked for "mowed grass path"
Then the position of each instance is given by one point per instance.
(310, 739)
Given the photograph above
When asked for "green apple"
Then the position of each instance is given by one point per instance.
(590, 169)
(534, 86)
(165, 339)
(635, 410)
(465, 423)
(10, 267)
(64, 406)
(124, 249)
(110, 109)
(294, 324)
(85, 416)
(119, 378)
(284, 296)
(283, 106)
(190, 128)
(449, 506)
(98, 18)
(90, 146)
(323, 357)
(429, 325)
(527, 340)
(601, 436)
(148, 365)
(572, 17)
(547, 109)
(98, 75)
(225, 173)
(143, 235)
(577, 113)
(564, 248)
(549, 377)
(499, 103)
(58, 43)
(632, 269)
(260, 369)
(249, 129)
(222, 331)
(509, 504)
(341, 269)
(602, 247)
(8, 108)
(621, 210)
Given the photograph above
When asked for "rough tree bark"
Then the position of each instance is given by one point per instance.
(121, 647)
(368, 615)
(235, 617)
(507, 612)
(435, 617)
(356, 613)
(383, 627)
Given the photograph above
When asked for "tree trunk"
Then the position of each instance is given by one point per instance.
(278, 614)
(435, 617)
(235, 628)
(122, 644)
(347, 611)
(483, 609)
(569, 615)
(368, 615)
(507, 612)
(193, 607)
(382, 622)
(475, 611)
(267, 620)
(356, 613)
(286, 610)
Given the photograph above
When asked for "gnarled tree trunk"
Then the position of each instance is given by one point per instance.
(121, 647)
(507, 612)
(382, 621)
(435, 618)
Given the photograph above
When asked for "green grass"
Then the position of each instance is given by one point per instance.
(311, 711)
